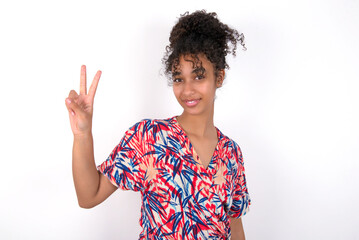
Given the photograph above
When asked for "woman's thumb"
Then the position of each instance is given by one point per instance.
(72, 107)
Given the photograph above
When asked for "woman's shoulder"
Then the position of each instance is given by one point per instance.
(229, 145)
(227, 141)
(151, 122)
(147, 124)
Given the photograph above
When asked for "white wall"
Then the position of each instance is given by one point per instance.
(290, 101)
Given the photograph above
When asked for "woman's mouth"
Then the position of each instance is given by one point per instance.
(192, 102)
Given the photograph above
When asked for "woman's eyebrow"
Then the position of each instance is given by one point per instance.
(200, 70)
(174, 74)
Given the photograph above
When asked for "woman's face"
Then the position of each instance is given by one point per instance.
(195, 84)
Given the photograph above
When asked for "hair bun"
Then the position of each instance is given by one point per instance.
(202, 32)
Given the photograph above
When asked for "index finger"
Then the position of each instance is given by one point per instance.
(94, 84)
(83, 87)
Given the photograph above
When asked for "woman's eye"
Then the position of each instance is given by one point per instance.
(177, 80)
(199, 77)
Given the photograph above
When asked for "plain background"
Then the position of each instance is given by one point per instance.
(290, 101)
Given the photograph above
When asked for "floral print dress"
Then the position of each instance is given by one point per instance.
(181, 199)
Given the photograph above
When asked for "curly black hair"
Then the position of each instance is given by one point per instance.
(201, 32)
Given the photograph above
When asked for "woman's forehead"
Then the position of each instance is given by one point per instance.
(191, 62)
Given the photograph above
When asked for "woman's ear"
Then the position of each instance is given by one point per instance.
(220, 78)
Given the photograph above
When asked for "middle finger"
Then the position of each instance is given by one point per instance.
(83, 88)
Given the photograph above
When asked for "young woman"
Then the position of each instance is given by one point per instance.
(190, 175)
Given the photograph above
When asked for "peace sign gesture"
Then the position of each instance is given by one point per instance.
(80, 107)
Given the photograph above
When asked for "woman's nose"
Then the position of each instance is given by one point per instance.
(188, 87)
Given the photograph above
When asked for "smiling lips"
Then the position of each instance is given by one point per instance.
(192, 103)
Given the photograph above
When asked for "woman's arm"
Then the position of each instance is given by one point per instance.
(91, 187)
(237, 229)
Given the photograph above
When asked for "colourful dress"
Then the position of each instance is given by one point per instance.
(180, 198)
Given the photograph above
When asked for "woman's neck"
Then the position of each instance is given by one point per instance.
(198, 125)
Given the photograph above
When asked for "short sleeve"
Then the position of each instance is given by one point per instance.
(241, 200)
(124, 167)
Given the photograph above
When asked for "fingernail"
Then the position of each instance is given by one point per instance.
(68, 100)
(73, 114)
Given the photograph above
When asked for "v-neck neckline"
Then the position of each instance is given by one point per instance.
(212, 163)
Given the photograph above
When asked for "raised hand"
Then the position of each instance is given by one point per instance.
(80, 107)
